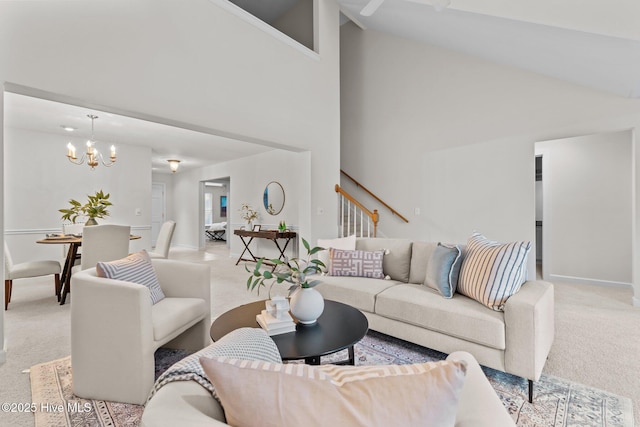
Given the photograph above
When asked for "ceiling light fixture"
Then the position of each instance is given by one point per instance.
(173, 164)
(92, 156)
(68, 128)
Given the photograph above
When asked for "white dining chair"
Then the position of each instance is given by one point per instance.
(103, 243)
(164, 240)
(26, 270)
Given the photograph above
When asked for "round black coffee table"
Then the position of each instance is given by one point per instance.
(340, 326)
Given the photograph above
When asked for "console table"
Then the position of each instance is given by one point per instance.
(247, 237)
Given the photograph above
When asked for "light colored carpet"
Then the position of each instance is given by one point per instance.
(597, 331)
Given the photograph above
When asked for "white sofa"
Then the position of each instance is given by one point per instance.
(115, 330)
(516, 341)
(189, 404)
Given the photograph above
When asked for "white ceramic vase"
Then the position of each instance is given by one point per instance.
(307, 305)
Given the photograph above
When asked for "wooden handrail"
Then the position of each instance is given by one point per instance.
(373, 215)
(393, 211)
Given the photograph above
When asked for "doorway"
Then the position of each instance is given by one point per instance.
(158, 210)
(214, 211)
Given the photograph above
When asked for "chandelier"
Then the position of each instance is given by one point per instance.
(91, 156)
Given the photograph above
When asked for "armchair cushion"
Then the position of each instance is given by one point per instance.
(419, 394)
(135, 268)
(173, 315)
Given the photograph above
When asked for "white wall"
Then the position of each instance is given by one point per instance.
(297, 23)
(588, 208)
(39, 180)
(248, 178)
(454, 136)
(191, 63)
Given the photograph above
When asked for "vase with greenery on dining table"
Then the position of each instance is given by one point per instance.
(95, 207)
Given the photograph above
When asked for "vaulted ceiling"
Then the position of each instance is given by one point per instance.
(595, 43)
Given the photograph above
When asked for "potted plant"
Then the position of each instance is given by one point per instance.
(96, 207)
(248, 214)
(306, 304)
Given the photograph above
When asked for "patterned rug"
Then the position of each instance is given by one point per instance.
(557, 402)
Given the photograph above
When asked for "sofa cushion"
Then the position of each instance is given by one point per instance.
(491, 272)
(443, 270)
(420, 256)
(356, 263)
(297, 394)
(135, 268)
(459, 316)
(397, 257)
(359, 292)
(174, 315)
(345, 243)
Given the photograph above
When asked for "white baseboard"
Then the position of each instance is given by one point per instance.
(587, 281)
(3, 352)
(636, 302)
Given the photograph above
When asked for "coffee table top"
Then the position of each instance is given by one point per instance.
(340, 326)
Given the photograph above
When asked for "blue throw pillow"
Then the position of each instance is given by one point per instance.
(443, 270)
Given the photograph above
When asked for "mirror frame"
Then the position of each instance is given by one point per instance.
(265, 199)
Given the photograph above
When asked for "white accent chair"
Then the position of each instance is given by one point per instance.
(106, 242)
(115, 330)
(26, 270)
(164, 240)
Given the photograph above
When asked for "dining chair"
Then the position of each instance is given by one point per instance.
(106, 242)
(26, 270)
(164, 240)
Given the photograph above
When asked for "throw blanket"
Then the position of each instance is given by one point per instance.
(243, 343)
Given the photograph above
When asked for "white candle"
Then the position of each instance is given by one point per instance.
(70, 150)
(113, 151)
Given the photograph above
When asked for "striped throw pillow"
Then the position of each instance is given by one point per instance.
(135, 268)
(491, 272)
(258, 393)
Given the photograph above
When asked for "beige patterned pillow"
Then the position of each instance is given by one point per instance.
(257, 393)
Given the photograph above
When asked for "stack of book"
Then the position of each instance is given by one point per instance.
(276, 325)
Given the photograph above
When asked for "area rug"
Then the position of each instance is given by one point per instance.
(557, 402)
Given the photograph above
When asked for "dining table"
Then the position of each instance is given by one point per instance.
(74, 241)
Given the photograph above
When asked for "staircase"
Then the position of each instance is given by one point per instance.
(354, 217)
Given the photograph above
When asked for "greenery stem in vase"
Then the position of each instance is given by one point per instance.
(292, 270)
(96, 207)
(248, 214)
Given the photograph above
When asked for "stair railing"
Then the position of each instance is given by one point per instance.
(354, 217)
(365, 189)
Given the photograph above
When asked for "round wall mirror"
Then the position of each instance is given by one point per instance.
(273, 198)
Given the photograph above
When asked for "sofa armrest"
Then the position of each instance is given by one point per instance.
(121, 312)
(183, 279)
(478, 404)
(530, 328)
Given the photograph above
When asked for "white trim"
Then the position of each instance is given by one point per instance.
(584, 280)
(352, 18)
(635, 301)
(27, 231)
(3, 352)
(261, 25)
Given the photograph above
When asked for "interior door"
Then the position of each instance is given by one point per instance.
(157, 210)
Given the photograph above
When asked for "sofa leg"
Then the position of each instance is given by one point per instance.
(530, 391)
